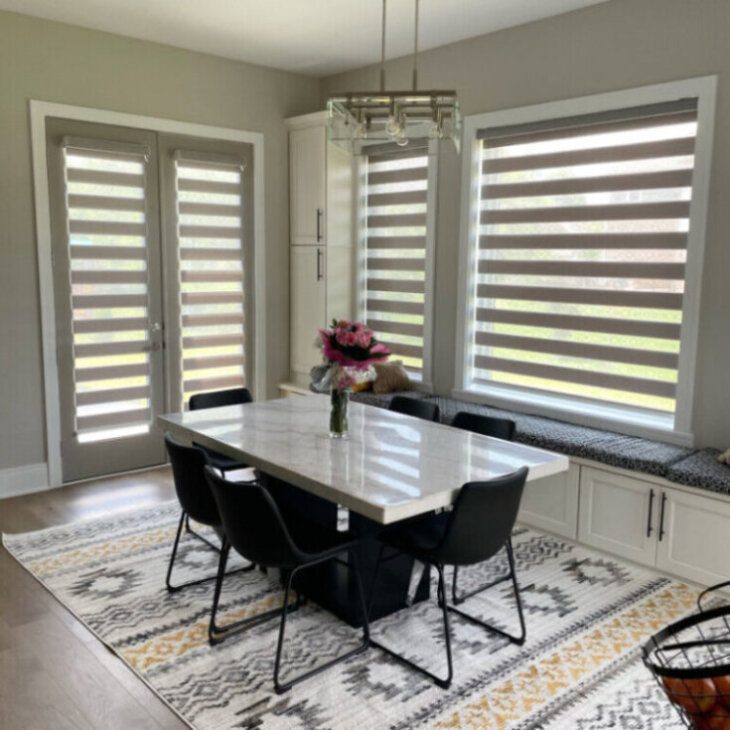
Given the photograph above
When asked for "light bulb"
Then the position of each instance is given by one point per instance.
(401, 140)
(393, 127)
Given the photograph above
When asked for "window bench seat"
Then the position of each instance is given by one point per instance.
(676, 463)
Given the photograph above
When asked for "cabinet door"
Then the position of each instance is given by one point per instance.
(618, 515)
(552, 503)
(307, 165)
(695, 541)
(307, 306)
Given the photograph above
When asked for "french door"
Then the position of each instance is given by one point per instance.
(151, 258)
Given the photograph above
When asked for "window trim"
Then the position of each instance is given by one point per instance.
(678, 428)
(360, 276)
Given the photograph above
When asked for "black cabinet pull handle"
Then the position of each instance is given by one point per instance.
(319, 225)
(649, 528)
(661, 517)
(319, 264)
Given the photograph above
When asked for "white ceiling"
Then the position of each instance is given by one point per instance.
(315, 37)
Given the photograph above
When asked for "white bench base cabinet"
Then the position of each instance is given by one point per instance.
(551, 504)
(696, 540)
(618, 514)
(682, 531)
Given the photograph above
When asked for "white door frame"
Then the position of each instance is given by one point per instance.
(39, 111)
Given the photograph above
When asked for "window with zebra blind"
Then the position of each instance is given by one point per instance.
(395, 260)
(210, 232)
(107, 236)
(581, 254)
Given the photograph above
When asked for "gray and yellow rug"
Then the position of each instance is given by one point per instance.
(586, 616)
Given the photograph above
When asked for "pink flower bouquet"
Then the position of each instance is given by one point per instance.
(352, 345)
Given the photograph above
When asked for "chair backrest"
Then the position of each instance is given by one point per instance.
(482, 519)
(218, 398)
(188, 473)
(499, 428)
(411, 407)
(253, 523)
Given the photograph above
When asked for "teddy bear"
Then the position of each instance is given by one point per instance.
(724, 457)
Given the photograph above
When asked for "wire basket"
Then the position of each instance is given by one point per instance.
(690, 659)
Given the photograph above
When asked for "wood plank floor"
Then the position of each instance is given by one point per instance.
(53, 672)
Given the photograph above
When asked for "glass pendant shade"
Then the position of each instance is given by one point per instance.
(393, 116)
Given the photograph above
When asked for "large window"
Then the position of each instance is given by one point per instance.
(578, 260)
(395, 260)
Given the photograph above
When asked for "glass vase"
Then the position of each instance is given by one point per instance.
(338, 413)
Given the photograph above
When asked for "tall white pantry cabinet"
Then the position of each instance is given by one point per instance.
(321, 237)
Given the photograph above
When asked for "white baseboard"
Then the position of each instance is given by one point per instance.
(23, 480)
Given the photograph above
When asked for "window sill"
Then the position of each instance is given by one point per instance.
(584, 413)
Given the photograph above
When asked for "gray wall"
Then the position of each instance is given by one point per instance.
(55, 62)
(616, 45)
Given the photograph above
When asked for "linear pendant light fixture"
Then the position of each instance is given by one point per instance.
(358, 117)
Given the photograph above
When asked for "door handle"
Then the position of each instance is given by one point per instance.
(320, 275)
(649, 528)
(661, 516)
(319, 224)
(153, 344)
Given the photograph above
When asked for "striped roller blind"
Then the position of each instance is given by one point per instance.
(107, 233)
(395, 255)
(579, 265)
(210, 236)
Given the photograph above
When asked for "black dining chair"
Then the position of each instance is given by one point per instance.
(476, 529)
(254, 527)
(217, 399)
(499, 428)
(196, 500)
(418, 408)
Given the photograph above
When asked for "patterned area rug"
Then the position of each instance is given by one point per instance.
(586, 616)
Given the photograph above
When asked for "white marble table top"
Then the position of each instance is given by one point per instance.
(391, 467)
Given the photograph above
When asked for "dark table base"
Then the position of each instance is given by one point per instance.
(332, 585)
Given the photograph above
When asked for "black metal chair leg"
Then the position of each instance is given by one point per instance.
(222, 560)
(284, 687)
(447, 629)
(216, 634)
(184, 520)
(454, 598)
(515, 639)
(457, 599)
(440, 681)
(198, 536)
(170, 587)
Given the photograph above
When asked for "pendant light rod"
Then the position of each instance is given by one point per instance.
(415, 50)
(382, 52)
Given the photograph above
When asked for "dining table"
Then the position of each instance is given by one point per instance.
(390, 467)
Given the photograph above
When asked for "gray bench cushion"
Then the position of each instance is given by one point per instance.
(608, 447)
(702, 469)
